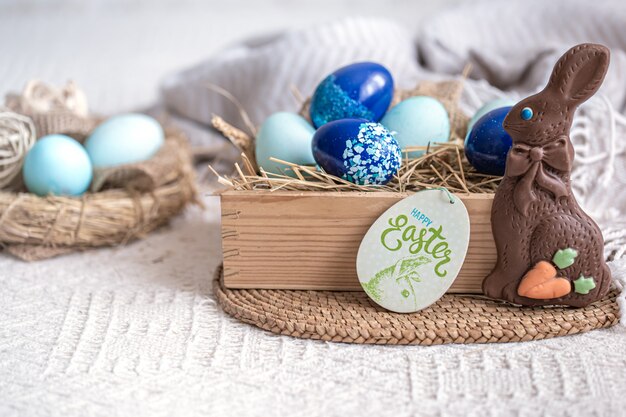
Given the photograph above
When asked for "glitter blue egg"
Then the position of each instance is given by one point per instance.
(357, 150)
(487, 144)
(361, 90)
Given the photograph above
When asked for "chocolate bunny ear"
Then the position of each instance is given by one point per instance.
(580, 72)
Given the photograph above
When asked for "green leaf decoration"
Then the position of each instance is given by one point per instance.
(584, 284)
(564, 257)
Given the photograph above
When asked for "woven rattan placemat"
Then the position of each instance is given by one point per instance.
(351, 317)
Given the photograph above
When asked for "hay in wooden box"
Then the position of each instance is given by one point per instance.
(442, 164)
(309, 203)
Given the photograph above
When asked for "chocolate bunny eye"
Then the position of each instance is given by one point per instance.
(527, 113)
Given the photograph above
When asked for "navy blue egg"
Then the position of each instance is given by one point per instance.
(487, 144)
(361, 90)
(357, 150)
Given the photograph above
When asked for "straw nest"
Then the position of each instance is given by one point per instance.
(442, 164)
(124, 203)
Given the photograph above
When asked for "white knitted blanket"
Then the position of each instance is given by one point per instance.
(136, 331)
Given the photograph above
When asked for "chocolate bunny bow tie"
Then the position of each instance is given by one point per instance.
(528, 161)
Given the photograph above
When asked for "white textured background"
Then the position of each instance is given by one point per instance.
(119, 50)
(135, 331)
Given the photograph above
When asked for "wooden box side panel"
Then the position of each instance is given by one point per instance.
(291, 240)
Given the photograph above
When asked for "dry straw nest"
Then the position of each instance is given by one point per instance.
(124, 203)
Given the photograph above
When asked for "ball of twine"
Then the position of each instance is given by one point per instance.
(17, 136)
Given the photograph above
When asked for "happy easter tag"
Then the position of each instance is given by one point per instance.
(413, 252)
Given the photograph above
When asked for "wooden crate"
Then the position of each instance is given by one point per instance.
(309, 240)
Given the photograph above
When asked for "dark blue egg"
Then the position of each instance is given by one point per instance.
(487, 144)
(362, 90)
(357, 150)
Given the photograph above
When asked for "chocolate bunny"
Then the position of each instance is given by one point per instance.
(550, 252)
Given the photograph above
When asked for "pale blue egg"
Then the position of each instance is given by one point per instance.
(57, 165)
(487, 107)
(124, 139)
(418, 121)
(285, 136)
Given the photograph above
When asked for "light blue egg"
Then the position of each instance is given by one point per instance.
(418, 121)
(487, 107)
(124, 139)
(285, 136)
(57, 165)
